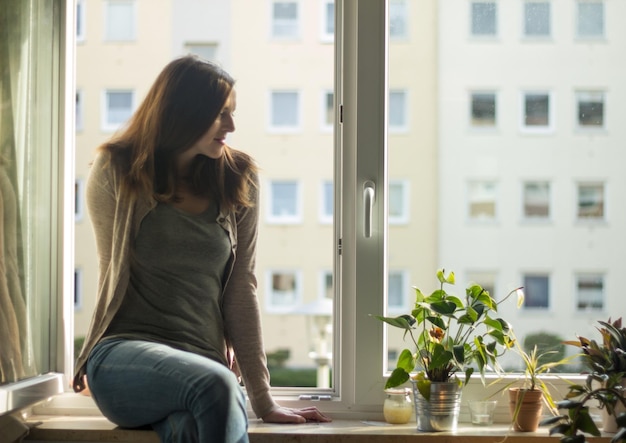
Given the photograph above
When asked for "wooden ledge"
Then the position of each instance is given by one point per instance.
(98, 429)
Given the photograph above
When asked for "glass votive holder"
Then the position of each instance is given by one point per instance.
(398, 406)
(481, 412)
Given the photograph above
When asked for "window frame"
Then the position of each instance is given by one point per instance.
(537, 129)
(482, 128)
(269, 290)
(105, 125)
(490, 36)
(537, 37)
(578, 97)
(290, 219)
(325, 36)
(577, 15)
(588, 219)
(81, 15)
(284, 129)
(297, 22)
(536, 219)
(577, 280)
(105, 17)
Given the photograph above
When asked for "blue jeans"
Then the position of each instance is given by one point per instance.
(186, 398)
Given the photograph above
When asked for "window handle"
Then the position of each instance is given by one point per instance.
(368, 207)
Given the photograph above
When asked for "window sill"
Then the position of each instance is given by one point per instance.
(99, 429)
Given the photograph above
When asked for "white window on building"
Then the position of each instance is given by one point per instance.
(484, 18)
(328, 111)
(589, 291)
(536, 200)
(79, 198)
(398, 202)
(483, 109)
(398, 15)
(398, 292)
(536, 111)
(326, 202)
(284, 111)
(283, 290)
(328, 21)
(590, 19)
(78, 288)
(80, 21)
(285, 20)
(537, 19)
(591, 198)
(487, 280)
(482, 200)
(590, 106)
(118, 108)
(120, 20)
(398, 104)
(206, 51)
(326, 285)
(536, 291)
(79, 111)
(284, 202)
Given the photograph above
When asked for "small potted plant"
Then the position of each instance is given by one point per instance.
(605, 362)
(450, 335)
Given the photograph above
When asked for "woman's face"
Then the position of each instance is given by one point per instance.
(211, 144)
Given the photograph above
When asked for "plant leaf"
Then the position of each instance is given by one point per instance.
(397, 377)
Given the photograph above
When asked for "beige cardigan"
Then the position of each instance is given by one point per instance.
(116, 219)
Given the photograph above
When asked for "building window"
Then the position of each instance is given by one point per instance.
(536, 291)
(285, 20)
(591, 201)
(206, 51)
(482, 199)
(398, 14)
(118, 107)
(328, 111)
(537, 19)
(536, 111)
(398, 110)
(283, 290)
(487, 280)
(284, 206)
(536, 200)
(484, 19)
(483, 109)
(79, 198)
(328, 290)
(590, 109)
(328, 20)
(284, 111)
(120, 20)
(327, 202)
(398, 291)
(79, 111)
(590, 291)
(78, 289)
(80, 21)
(398, 202)
(590, 19)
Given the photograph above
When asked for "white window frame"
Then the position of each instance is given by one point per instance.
(589, 274)
(105, 125)
(471, 33)
(78, 289)
(324, 217)
(476, 182)
(580, 95)
(482, 128)
(407, 294)
(80, 110)
(326, 127)
(284, 129)
(403, 127)
(79, 199)
(287, 219)
(548, 276)
(601, 219)
(547, 36)
(297, 22)
(325, 36)
(405, 189)
(204, 50)
(133, 17)
(404, 35)
(81, 17)
(577, 15)
(532, 129)
(535, 219)
(269, 290)
(323, 293)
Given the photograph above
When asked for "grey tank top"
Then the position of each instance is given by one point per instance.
(176, 281)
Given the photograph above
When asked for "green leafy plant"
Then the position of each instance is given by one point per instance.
(450, 334)
(577, 421)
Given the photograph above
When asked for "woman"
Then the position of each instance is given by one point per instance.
(174, 210)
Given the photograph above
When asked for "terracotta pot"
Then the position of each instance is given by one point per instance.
(529, 411)
(609, 425)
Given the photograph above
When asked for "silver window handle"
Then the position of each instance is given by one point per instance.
(369, 194)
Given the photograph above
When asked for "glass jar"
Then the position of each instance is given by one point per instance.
(398, 406)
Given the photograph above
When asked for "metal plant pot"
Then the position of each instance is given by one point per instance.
(441, 412)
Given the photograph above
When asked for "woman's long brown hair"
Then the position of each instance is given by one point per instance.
(181, 105)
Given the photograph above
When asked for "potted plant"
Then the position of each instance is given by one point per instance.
(450, 335)
(530, 392)
(606, 363)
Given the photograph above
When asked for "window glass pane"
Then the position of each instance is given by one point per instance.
(285, 19)
(536, 19)
(284, 110)
(484, 18)
(207, 51)
(397, 110)
(536, 291)
(120, 20)
(398, 210)
(119, 108)
(590, 291)
(590, 109)
(397, 290)
(29, 193)
(536, 110)
(536, 200)
(329, 18)
(482, 200)
(591, 201)
(590, 19)
(398, 19)
(284, 199)
(483, 109)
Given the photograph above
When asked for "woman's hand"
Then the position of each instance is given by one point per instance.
(292, 415)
